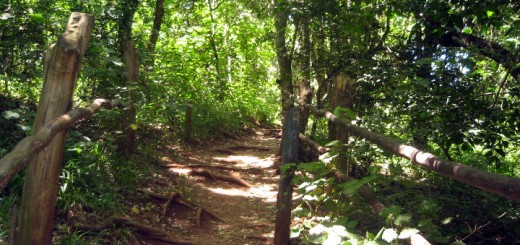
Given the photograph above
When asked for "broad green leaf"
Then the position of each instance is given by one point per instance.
(345, 113)
(351, 187)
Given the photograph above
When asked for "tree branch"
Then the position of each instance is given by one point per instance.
(19, 157)
(487, 48)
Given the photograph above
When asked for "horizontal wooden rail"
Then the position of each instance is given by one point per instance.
(20, 156)
(507, 187)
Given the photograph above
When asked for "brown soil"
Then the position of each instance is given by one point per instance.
(248, 213)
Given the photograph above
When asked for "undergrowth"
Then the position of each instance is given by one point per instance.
(441, 210)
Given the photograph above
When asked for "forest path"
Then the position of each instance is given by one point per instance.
(248, 213)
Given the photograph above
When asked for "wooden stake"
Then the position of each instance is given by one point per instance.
(61, 68)
(284, 198)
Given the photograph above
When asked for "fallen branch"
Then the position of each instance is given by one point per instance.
(227, 178)
(119, 222)
(19, 157)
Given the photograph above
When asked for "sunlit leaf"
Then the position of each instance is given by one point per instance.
(407, 232)
(10, 115)
(6, 16)
(389, 235)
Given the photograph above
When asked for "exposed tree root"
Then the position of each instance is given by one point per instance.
(225, 151)
(245, 148)
(169, 202)
(119, 222)
(227, 178)
(198, 217)
(258, 237)
(177, 198)
(250, 170)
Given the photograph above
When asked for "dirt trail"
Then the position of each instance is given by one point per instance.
(248, 213)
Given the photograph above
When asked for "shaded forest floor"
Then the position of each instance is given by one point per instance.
(190, 178)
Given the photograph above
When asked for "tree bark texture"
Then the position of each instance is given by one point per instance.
(507, 187)
(304, 84)
(284, 61)
(284, 197)
(19, 157)
(342, 95)
(61, 68)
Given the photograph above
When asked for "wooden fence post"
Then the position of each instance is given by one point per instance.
(284, 198)
(188, 129)
(61, 68)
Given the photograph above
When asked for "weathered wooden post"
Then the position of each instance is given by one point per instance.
(284, 198)
(189, 111)
(61, 68)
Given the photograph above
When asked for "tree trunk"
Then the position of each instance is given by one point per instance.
(317, 63)
(221, 82)
(129, 54)
(157, 22)
(61, 68)
(305, 82)
(284, 61)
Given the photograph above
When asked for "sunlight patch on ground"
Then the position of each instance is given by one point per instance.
(229, 192)
(265, 192)
(181, 171)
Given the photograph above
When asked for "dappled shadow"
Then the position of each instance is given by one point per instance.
(249, 213)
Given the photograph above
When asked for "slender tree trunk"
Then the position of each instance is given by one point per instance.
(221, 82)
(305, 83)
(129, 54)
(317, 65)
(61, 68)
(156, 29)
(284, 61)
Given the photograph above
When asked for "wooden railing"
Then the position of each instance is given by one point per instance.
(504, 186)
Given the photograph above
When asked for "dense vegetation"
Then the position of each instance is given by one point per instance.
(442, 75)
